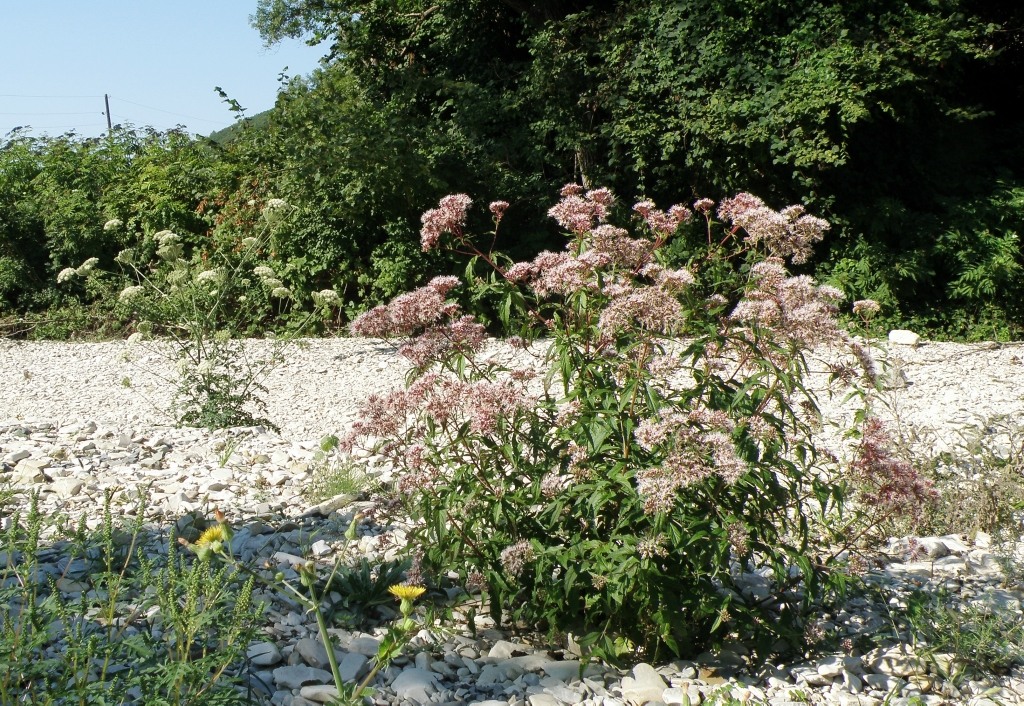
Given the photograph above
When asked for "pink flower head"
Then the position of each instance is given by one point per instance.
(410, 312)
(602, 196)
(794, 307)
(644, 207)
(520, 271)
(444, 284)
(888, 483)
(578, 213)
(560, 273)
(498, 209)
(703, 205)
(448, 217)
(662, 224)
(681, 214)
(622, 250)
(739, 204)
(865, 307)
(786, 233)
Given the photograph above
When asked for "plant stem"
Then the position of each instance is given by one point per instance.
(328, 646)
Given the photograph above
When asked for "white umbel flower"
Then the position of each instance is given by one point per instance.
(129, 293)
(88, 266)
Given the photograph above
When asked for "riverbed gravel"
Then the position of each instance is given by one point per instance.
(83, 422)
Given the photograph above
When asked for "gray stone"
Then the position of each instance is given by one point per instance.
(899, 661)
(66, 487)
(543, 700)
(934, 547)
(319, 693)
(418, 684)
(264, 654)
(564, 694)
(352, 666)
(312, 652)
(320, 548)
(299, 675)
(14, 456)
(531, 663)
(364, 645)
(830, 667)
(503, 649)
(499, 673)
(566, 671)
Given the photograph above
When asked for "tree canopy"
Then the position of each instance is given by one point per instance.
(896, 121)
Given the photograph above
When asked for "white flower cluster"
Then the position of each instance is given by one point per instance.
(68, 273)
(327, 297)
(281, 293)
(130, 293)
(213, 276)
(263, 272)
(88, 266)
(113, 224)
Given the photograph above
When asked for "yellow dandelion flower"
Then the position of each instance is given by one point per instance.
(406, 592)
(212, 535)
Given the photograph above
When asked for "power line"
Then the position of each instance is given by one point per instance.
(18, 95)
(62, 127)
(169, 112)
(112, 97)
(87, 112)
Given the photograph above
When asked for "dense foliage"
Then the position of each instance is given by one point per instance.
(897, 122)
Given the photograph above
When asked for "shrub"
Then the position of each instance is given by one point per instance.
(647, 481)
(203, 300)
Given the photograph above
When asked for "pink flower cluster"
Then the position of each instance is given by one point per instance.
(888, 484)
(662, 223)
(516, 557)
(448, 217)
(578, 212)
(497, 209)
(410, 312)
(618, 248)
(555, 273)
(694, 446)
(463, 334)
(440, 402)
(786, 233)
(794, 307)
(649, 308)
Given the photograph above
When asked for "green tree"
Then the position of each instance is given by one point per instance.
(886, 118)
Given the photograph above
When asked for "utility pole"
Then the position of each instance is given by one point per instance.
(106, 102)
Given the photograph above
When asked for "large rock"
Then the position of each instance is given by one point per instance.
(645, 685)
(903, 337)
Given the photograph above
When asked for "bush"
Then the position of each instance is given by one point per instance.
(648, 481)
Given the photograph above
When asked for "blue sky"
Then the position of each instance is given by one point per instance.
(159, 61)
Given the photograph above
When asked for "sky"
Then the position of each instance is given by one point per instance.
(158, 60)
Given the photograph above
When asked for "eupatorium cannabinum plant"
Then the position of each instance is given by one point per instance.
(647, 479)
